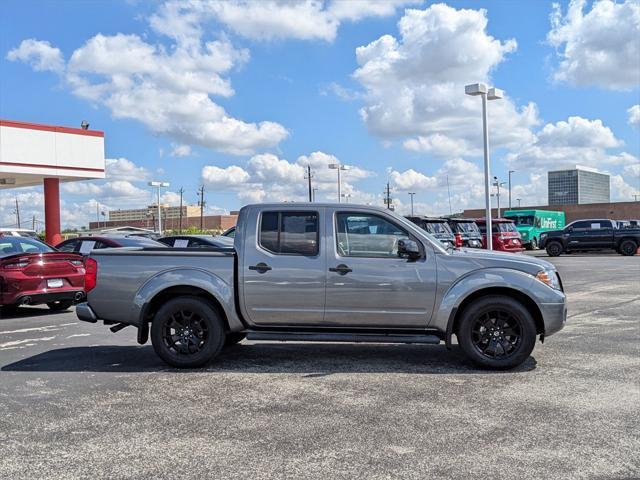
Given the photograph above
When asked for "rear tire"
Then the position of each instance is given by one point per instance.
(554, 249)
(59, 305)
(628, 248)
(187, 332)
(496, 332)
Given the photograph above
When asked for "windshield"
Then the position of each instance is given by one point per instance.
(467, 227)
(504, 227)
(15, 245)
(138, 242)
(524, 221)
(437, 228)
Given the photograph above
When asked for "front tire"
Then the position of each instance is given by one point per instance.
(628, 248)
(187, 332)
(59, 305)
(496, 332)
(554, 249)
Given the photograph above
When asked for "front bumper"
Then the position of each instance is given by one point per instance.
(555, 317)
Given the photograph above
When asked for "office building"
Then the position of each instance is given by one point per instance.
(580, 185)
(136, 214)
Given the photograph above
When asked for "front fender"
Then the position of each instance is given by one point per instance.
(187, 277)
(479, 280)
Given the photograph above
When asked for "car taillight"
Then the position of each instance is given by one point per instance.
(90, 274)
(458, 240)
(15, 265)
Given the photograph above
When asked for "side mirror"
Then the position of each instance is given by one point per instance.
(569, 228)
(408, 249)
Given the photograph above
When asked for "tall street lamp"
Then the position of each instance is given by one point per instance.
(338, 166)
(158, 186)
(411, 194)
(518, 200)
(510, 172)
(485, 93)
(497, 183)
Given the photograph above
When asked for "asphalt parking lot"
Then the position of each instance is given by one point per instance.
(77, 401)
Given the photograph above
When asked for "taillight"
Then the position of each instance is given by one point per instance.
(458, 240)
(90, 274)
(15, 265)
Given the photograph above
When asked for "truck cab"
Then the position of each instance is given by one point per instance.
(532, 223)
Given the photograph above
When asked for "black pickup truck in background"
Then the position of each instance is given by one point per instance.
(585, 235)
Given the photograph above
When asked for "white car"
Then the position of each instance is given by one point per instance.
(18, 232)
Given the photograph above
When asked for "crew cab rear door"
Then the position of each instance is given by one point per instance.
(283, 268)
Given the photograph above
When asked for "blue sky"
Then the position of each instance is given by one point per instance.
(181, 92)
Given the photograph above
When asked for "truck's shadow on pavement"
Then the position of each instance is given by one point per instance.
(313, 360)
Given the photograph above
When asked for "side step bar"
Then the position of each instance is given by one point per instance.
(343, 337)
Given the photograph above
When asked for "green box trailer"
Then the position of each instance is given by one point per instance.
(531, 223)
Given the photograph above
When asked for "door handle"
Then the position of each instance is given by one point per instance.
(260, 267)
(342, 269)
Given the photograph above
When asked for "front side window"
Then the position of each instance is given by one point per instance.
(366, 235)
(289, 233)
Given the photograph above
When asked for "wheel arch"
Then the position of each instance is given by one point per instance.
(523, 298)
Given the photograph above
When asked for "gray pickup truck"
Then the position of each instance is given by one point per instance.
(326, 272)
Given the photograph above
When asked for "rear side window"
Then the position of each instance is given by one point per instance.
(289, 233)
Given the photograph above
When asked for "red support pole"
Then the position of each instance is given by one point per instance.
(52, 210)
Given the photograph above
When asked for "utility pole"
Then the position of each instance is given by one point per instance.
(98, 213)
(388, 197)
(180, 224)
(309, 175)
(510, 172)
(449, 195)
(33, 223)
(17, 212)
(411, 194)
(497, 184)
(201, 204)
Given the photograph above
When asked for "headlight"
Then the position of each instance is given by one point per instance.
(549, 278)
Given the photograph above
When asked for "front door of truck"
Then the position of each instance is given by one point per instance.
(368, 285)
(283, 272)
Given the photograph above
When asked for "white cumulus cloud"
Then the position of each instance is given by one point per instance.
(39, 54)
(634, 115)
(599, 47)
(414, 84)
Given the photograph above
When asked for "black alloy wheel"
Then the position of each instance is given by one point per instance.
(628, 248)
(496, 332)
(554, 249)
(187, 332)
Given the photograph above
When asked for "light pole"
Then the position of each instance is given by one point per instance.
(346, 197)
(497, 184)
(518, 200)
(411, 194)
(485, 93)
(510, 172)
(158, 186)
(338, 166)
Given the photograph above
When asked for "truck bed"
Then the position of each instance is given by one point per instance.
(123, 273)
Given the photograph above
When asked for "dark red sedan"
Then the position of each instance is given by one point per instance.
(84, 245)
(33, 273)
